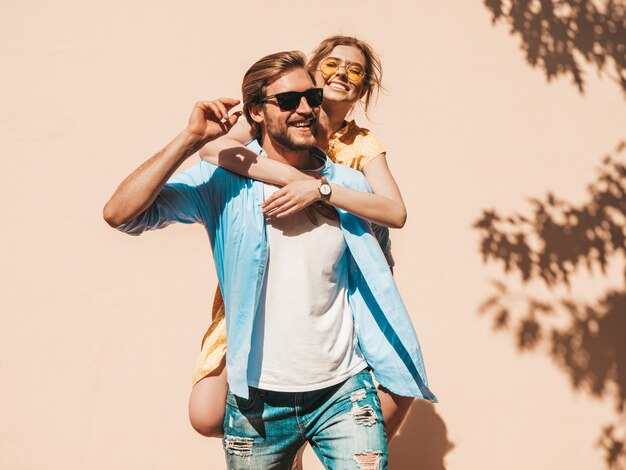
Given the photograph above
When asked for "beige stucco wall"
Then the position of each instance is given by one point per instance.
(99, 331)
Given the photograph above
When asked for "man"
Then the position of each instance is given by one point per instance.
(296, 292)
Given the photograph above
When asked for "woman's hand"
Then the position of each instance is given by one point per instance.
(292, 198)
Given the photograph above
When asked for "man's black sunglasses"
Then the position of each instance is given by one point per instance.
(290, 100)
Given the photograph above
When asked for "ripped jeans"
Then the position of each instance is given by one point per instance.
(343, 424)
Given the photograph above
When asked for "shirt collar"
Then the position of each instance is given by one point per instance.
(326, 165)
(344, 130)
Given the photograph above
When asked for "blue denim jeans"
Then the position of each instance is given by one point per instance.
(343, 424)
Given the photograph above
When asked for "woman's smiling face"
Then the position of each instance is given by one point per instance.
(337, 87)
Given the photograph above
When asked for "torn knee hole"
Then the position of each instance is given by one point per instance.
(368, 460)
(364, 415)
(357, 395)
(240, 446)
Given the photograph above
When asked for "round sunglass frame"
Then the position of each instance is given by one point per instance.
(354, 71)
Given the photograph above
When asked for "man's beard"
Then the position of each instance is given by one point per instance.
(281, 136)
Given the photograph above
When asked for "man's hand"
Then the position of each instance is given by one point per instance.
(210, 119)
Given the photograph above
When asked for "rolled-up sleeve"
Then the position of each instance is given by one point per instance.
(183, 199)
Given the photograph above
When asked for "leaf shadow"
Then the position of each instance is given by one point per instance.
(557, 242)
(561, 36)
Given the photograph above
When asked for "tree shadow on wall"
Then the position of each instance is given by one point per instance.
(558, 36)
(422, 442)
(586, 340)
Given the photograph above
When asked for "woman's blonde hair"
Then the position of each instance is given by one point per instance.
(372, 83)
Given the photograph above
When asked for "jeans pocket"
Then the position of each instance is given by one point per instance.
(360, 380)
(243, 404)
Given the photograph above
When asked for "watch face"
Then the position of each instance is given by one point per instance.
(325, 189)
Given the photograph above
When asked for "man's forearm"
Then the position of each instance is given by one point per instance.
(209, 120)
(139, 190)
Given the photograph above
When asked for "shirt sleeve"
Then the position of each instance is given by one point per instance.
(355, 147)
(183, 199)
(368, 148)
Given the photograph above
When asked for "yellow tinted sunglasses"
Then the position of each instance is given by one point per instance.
(354, 71)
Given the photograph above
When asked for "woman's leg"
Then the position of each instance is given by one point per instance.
(395, 409)
(207, 403)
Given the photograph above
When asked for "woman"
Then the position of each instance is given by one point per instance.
(349, 72)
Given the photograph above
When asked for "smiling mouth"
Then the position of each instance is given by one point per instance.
(339, 86)
(304, 124)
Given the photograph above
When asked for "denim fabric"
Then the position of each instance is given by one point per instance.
(343, 424)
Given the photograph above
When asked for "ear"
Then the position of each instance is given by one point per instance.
(363, 92)
(256, 113)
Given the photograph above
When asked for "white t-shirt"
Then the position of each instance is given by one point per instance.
(303, 337)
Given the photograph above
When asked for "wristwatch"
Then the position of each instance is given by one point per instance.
(324, 189)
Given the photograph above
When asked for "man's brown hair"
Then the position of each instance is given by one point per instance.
(262, 73)
(372, 83)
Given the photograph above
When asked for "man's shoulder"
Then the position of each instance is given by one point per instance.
(208, 177)
(346, 175)
(347, 172)
(199, 173)
(214, 172)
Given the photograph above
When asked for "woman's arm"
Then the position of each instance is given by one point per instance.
(383, 184)
(230, 153)
(233, 156)
(384, 207)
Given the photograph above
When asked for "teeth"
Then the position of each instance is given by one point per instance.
(337, 86)
(302, 124)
